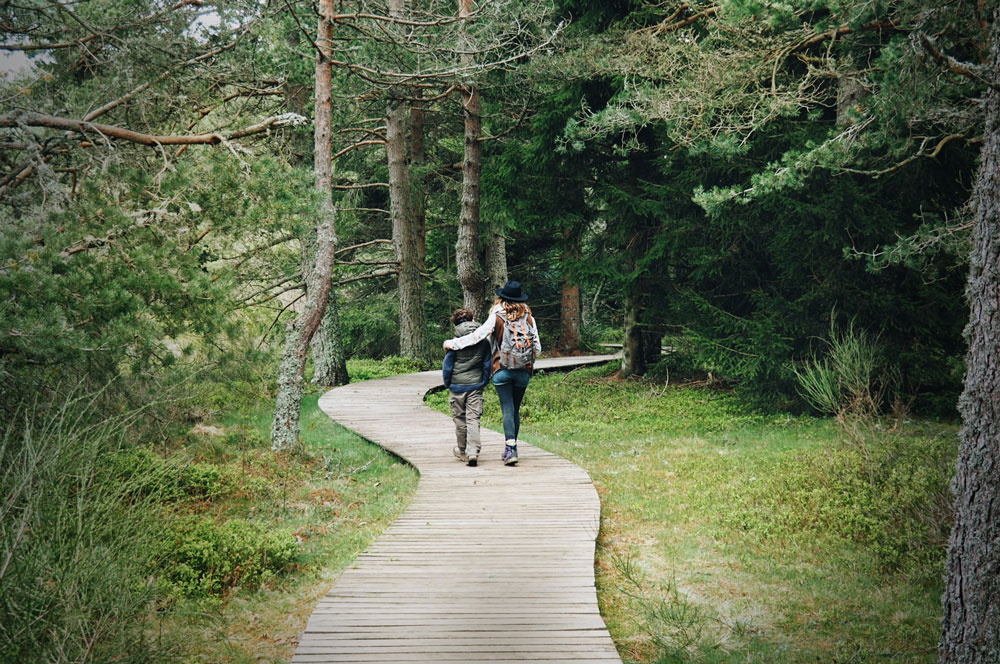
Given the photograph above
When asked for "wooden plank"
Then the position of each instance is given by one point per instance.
(487, 564)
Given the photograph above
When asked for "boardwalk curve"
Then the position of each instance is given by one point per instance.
(487, 564)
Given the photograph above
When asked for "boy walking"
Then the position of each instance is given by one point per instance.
(466, 373)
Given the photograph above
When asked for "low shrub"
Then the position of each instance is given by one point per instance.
(201, 557)
(894, 498)
(169, 480)
(392, 365)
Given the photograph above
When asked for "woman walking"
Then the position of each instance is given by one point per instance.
(514, 337)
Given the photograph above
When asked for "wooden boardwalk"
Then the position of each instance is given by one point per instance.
(487, 564)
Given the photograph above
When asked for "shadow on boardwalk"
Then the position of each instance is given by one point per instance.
(487, 564)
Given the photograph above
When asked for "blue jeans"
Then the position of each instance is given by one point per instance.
(510, 385)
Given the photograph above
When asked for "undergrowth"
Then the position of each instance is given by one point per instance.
(172, 532)
(731, 534)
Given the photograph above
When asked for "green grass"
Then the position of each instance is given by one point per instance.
(728, 535)
(334, 497)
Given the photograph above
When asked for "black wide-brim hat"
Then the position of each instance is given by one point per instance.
(512, 291)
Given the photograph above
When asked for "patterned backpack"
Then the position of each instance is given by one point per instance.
(516, 349)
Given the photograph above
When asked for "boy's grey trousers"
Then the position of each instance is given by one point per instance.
(466, 409)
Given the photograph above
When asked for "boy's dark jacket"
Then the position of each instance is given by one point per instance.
(467, 369)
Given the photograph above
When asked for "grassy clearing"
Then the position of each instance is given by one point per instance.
(734, 536)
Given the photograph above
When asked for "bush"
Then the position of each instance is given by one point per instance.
(850, 382)
(77, 542)
(895, 500)
(202, 557)
(149, 474)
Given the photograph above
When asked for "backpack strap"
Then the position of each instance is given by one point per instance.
(497, 339)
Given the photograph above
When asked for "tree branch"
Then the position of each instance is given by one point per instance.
(370, 275)
(363, 244)
(106, 131)
(44, 46)
(361, 186)
(356, 146)
(111, 105)
(913, 157)
(977, 73)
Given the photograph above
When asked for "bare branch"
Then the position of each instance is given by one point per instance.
(356, 146)
(45, 46)
(671, 23)
(366, 209)
(370, 275)
(977, 73)
(341, 18)
(932, 154)
(361, 186)
(367, 262)
(106, 131)
(363, 244)
(517, 123)
(302, 29)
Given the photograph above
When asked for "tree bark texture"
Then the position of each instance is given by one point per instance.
(470, 273)
(329, 359)
(496, 264)
(971, 624)
(571, 305)
(570, 308)
(299, 333)
(410, 281)
(633, 355)
(418, 158)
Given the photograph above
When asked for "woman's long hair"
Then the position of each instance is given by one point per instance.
(512, 310)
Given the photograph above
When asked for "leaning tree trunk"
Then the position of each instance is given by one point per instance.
(299, 333)
(470, 274)
(633, 353)
(971, 625)
(329, 361)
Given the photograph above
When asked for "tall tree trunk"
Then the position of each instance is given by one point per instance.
(633, 355)
(329, 361)
(571, 305)
(410, 279)
(470, 274)
(285, 427)
(410, 282)
(496, 264)
(971, 625)
(418, 158)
